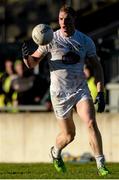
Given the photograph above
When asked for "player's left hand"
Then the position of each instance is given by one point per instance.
(100, 100)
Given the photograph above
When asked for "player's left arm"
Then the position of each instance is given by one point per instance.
(99, 79)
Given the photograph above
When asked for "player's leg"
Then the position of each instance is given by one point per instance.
(66, 135)
(86, 111)
(67, 132)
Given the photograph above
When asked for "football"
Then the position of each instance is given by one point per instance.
(42, 34)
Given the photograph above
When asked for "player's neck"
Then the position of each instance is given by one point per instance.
(68, 33)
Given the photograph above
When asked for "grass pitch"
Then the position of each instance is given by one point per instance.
(47, 171)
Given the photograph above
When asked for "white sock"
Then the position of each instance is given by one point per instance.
(100, 160)
(56, 152)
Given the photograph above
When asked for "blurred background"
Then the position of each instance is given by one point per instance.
(23, 90)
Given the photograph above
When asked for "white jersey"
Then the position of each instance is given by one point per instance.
(68, 79)
(63, 76)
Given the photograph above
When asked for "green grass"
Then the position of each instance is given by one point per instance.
(47, 171)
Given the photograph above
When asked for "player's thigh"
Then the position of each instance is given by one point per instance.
(67, 125)
(86, 110)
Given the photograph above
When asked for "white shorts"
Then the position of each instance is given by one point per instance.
(63, 103)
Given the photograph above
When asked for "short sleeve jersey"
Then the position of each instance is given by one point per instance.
(68, 77)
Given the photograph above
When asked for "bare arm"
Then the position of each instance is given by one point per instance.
(31, 60)
(34, 59)
(98, 73)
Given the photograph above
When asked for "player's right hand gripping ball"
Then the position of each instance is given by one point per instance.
(25, 51)
(100, 100)
(42, 34)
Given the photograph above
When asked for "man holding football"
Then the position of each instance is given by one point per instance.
(69, 49)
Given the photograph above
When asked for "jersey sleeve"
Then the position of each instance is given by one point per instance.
(90, 47)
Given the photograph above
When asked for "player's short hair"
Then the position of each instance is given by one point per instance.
(68, 10)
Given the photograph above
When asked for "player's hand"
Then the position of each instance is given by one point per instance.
(100, 100)
(25, 51)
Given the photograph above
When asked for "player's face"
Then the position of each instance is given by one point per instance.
(66, 22)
